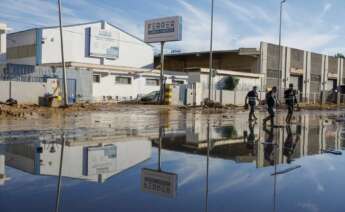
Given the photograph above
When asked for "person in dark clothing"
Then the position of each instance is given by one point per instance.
(271, 101)
(291, 101)
(250, 100)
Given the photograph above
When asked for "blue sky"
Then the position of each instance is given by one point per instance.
(315, 25)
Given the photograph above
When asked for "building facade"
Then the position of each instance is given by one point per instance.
(314, 75)
(105, 62)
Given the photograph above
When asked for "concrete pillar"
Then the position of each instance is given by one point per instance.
(283, 67)
(263, 63)
(340, 77)
(324, 78)
(306, 75)
(287, 70)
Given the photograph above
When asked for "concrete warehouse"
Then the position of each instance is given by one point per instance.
(311, 73)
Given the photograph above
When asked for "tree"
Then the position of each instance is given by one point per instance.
(340, 55)
(230, 83)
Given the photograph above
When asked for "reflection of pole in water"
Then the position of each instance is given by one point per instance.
(275, 176)
(58, 193)
(207, 163)
(161, 134)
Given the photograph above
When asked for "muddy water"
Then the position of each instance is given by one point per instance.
(154, 159)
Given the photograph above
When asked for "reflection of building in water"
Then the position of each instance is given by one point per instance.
(3, 176)
(238, 142)
(94, 161)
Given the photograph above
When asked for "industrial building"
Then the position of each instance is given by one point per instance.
(103, 62)
(3, 30)
(312, 74)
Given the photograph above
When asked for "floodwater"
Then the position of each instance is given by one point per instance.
(146, 159)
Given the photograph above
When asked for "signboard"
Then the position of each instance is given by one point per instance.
(101, 160)
(158, 182)
(163, 29)
(104, 43)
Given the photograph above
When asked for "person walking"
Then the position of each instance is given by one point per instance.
(250, 100)
(290, 100)
(271, 101)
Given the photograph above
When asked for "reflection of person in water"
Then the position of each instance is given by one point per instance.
(290, 144)
(250, 139)
(269, 145)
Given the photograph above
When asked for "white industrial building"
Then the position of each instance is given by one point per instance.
(3, 30)
(106, 62)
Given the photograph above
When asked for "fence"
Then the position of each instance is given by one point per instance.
(23, 92)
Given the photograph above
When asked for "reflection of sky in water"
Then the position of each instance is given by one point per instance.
(238, 183)
(232, 186)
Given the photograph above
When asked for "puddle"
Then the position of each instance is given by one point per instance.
(172, 161)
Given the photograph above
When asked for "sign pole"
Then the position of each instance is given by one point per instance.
(161, 96)
(63, 59)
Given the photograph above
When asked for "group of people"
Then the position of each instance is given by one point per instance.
(272, 101)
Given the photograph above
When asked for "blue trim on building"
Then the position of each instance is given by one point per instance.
(38, 46)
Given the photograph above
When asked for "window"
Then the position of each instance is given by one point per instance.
(179, 82)
(152, 82)
(96, 78)
(123, 80)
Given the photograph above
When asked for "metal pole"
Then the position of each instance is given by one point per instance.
(279, 45)
(58, 192)
(211, 54)
(161, 96)
(63, 59)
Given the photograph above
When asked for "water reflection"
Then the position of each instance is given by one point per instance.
(80, 160)
(272, 152)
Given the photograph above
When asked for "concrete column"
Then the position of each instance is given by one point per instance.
(324, 78)
(283, 67)
(287, 69)
(340, 77)
(263, 63)
(306, 75)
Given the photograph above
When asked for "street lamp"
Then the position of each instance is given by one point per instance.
(279, 45)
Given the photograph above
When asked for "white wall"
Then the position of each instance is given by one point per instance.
(108, 86)
(23, 92)
(133, 52)
(3, 43)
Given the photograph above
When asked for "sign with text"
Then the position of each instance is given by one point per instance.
(104, 43)
(101, 160)
(163, 29)
(158, 182)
